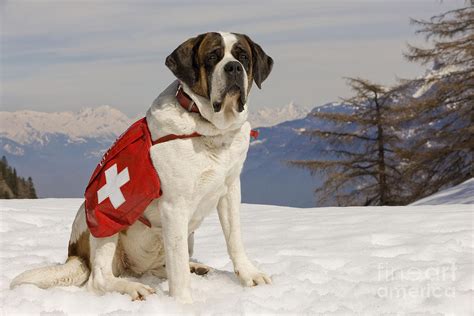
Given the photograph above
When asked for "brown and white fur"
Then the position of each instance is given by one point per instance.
(197, 175)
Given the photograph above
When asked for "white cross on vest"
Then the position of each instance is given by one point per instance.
(111, 189)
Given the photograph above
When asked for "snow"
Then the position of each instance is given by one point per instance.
(431, 76)
(358, 260)
(460, 194)
(257, 142)
(14, 150)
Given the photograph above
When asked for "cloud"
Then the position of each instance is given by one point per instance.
(66, 55)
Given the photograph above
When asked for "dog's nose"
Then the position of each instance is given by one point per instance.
(233, 68)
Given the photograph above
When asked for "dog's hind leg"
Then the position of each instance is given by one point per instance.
(191, 244)
(103, 264)
(196, 267)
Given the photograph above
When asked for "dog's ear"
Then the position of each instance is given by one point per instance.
(262, 63)
(183, 61)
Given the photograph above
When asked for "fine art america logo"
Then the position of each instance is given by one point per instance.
(417, 282)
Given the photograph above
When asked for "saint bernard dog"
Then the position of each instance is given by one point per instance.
(198, 175)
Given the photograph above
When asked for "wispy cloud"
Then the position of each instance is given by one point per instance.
(62, 55)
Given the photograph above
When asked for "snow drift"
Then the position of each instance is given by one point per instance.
(357, 260)
(459, 194)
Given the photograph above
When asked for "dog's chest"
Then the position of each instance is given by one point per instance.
(198, 170)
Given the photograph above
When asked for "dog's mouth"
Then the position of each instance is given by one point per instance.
(232, 91)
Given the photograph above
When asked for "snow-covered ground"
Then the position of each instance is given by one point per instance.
(358, 260)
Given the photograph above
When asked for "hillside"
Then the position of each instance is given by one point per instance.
(12, 186)
(460, 194)
(332, 261)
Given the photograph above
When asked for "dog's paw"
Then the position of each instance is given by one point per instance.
(138, 291)
(251, 276)
(199, 268)
(184, 299)
(183, 296)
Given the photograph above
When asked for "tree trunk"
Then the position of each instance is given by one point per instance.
(381, 154)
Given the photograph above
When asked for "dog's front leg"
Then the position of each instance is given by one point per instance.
(102, 278)
(175, 238)
(229, 209)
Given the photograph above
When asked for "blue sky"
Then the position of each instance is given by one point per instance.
(66, 55)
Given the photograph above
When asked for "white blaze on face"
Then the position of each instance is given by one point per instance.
(219, 81)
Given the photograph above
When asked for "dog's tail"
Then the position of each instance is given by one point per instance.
(74, 272)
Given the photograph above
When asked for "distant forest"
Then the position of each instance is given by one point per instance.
(12, 186)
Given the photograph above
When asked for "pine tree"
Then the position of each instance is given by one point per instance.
(13, 186)
(442, 153)
(361, 165)
(3, 166)
(14, 182)
(31, 189)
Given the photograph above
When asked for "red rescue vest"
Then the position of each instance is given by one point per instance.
(125, 182)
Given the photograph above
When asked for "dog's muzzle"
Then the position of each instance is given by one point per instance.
(234, 74)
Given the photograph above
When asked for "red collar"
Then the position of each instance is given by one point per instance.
(185, 101)
(189, 105)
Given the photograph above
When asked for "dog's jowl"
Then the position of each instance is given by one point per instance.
(156, 184)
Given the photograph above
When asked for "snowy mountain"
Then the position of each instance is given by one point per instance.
(270, 116)
(103, 122)
(37, 128)
(433, 75)
(411, 260)
(60, 150)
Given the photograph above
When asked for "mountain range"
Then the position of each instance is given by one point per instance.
(61, 149)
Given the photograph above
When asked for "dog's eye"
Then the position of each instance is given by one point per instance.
(243, 57)
(212, 57)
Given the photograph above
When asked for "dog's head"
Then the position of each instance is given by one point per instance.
(219, 68)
